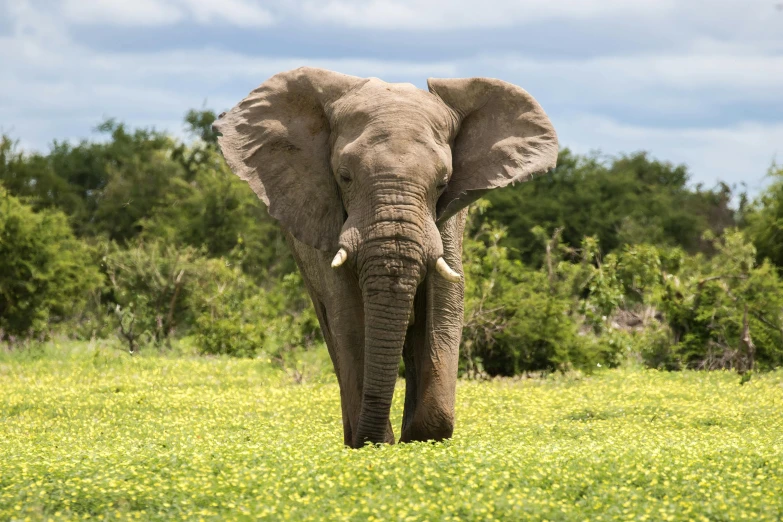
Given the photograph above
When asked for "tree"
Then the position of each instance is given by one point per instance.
(764, 220)
(629, 200)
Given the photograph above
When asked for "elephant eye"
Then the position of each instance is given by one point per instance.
(345, 176)
(441, 186)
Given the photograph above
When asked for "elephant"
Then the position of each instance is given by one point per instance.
(370, 182)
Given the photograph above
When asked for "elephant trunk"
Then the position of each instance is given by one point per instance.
(391, 262)
(388, 300)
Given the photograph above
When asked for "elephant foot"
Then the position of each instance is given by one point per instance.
(437, 425)
(349, 441)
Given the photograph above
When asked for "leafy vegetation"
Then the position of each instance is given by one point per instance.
(765, 220)
(159, 292)
(520, 319)
(229, 408)
(627, 200)
(45, 273)
(150, 239)
(658, 304)
(90, 431)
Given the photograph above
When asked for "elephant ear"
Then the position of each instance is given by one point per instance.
(504, 137)
(278, 140)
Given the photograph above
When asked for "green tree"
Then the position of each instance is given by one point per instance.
(631, 199)
(199, 124)
(143, 183)
(764, 220)
(35, 178)
(219, 212)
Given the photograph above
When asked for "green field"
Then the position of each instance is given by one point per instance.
(96, 433)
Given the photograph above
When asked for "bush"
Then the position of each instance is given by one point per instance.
(518, 319)
(46, 275)
(150, 285)
(668, 309)
(160, 290)
(241, 319)
(230, 321)
(693, 312)
(725, 312)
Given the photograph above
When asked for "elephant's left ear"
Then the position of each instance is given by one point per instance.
(504, 136)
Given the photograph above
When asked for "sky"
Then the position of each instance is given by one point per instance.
(695, 82)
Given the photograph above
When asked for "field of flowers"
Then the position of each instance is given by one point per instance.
(96, 433)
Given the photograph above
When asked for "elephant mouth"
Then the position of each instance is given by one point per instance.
(441, 266)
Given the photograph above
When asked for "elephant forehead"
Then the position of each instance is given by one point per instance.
(396, 148)
(397, 105)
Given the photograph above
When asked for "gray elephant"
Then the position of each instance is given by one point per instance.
(370, 181)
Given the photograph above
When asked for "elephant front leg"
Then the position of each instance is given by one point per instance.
(431, 352)
(431, 362)
(347, 363)
(338, 305)
(343, 329)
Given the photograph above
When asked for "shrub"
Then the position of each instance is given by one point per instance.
(161, 290)
(150, 283)
(667, 308)
(241, 319)
(764, 219)
(518, 319)
(46, 275)
(725, 312)
(230, 321)
(695, 312)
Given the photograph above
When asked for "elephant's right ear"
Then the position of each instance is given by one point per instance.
(277, 139)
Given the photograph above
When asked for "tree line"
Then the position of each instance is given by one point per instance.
(150, 239)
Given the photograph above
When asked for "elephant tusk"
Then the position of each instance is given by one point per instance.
(446, 271)
(340, 258)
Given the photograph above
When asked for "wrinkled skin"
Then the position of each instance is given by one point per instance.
(382, 173)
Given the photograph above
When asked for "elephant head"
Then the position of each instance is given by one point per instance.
(366, 169)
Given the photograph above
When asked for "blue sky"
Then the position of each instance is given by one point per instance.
(698, 82)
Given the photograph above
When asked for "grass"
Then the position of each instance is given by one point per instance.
(94, 432)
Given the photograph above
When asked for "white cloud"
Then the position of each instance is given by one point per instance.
(53, 87)
(685, 84)
(130, 13)
(753, 22)
(57, 88)
(454, 14)
(240, 13)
